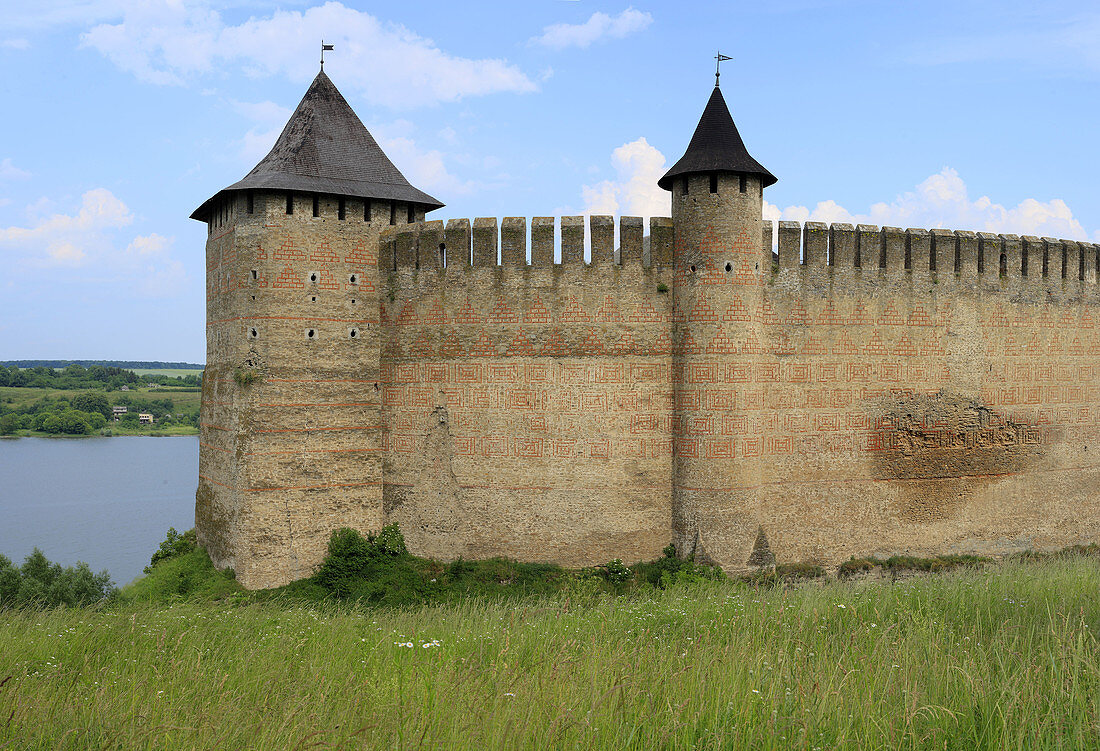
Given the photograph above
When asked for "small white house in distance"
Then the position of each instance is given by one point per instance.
(145, 417)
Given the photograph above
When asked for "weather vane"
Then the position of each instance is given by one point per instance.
(324, 48)
(719, 57)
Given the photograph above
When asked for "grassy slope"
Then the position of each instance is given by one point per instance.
(999, 657)
(184, 401)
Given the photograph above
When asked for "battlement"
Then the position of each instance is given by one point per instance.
(482, 243)
(964, 255)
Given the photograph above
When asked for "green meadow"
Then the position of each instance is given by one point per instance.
(997, 656)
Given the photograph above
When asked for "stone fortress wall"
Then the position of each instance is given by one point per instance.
(864, 391)
(748, 392)
(874, 391)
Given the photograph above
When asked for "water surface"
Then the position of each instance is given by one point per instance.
(105, 501)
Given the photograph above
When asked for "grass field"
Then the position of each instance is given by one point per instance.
(1002, 657)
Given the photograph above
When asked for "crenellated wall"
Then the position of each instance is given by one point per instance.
(875, 390)
(863, 391)
(527, 406)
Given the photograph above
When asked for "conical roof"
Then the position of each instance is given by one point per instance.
(716, 146)
(325, 148)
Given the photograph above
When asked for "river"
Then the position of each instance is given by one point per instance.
(105, 501)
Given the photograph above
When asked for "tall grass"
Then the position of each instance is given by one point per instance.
(997, 658)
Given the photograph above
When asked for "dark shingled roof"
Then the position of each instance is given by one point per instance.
(325, 148)
(716, 146)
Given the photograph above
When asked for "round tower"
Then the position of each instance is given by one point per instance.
(290, 437)
(718, 313)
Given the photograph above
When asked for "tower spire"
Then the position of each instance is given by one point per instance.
(719, 59)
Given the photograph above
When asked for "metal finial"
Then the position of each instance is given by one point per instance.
(720, 58)
(324, 47)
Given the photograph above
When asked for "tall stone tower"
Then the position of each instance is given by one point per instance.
(720, 261)
(290, 438)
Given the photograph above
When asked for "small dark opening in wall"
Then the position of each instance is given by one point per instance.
(958, 258)
(741, 182)
(353, 301)
(393, 213)
(981, 258)
(1065, 260)
(411, 215)
(713, 182)
(340, 208)
(252, 298)
(693, 268)
(253, 333)
(311, 333)
(313, 276)
(366, 210)
(442, 254)
(289, 203)
(353, 279)
(685, 185)
(353, 333)
(1081, 265)
(251, 202)
(313, 298)
(933, 252)
(1046, 261)
(882, 251)
(317, 206)
(1004, 265)
(729, 267)
(255, 274)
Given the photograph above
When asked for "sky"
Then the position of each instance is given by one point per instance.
(122, 117)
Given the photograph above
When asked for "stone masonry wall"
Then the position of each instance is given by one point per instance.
(293, 298)
(874, 391)
(942, 396)
(527, 406)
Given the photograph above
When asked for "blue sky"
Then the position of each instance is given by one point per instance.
(122, 117)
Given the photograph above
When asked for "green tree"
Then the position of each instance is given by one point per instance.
(92, 401)
(51, 424)
(9, 424)
(75, 422)
(97, 421)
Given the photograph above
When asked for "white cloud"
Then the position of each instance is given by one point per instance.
(9, 171)
(942, 201)
(634, 192)
(16, 44)
(64, 239)
(89, 238)
(598, 26)
(173, 42)
(424, 168)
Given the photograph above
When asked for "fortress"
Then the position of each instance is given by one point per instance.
(862, 390)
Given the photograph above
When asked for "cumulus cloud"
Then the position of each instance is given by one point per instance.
(943, 201)
(634, 192)
(424, 168)
(598, 26)
(174, 42)
(9, 171)
(90, 238)
(64, 239)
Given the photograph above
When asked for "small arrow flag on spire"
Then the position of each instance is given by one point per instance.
(324, 48)
(721, 59)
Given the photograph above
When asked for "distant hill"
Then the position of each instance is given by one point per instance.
(127, 364)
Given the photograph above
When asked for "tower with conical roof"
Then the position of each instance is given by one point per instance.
(720, 261)
(290, 445)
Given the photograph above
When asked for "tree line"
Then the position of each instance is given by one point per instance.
(75, 376)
